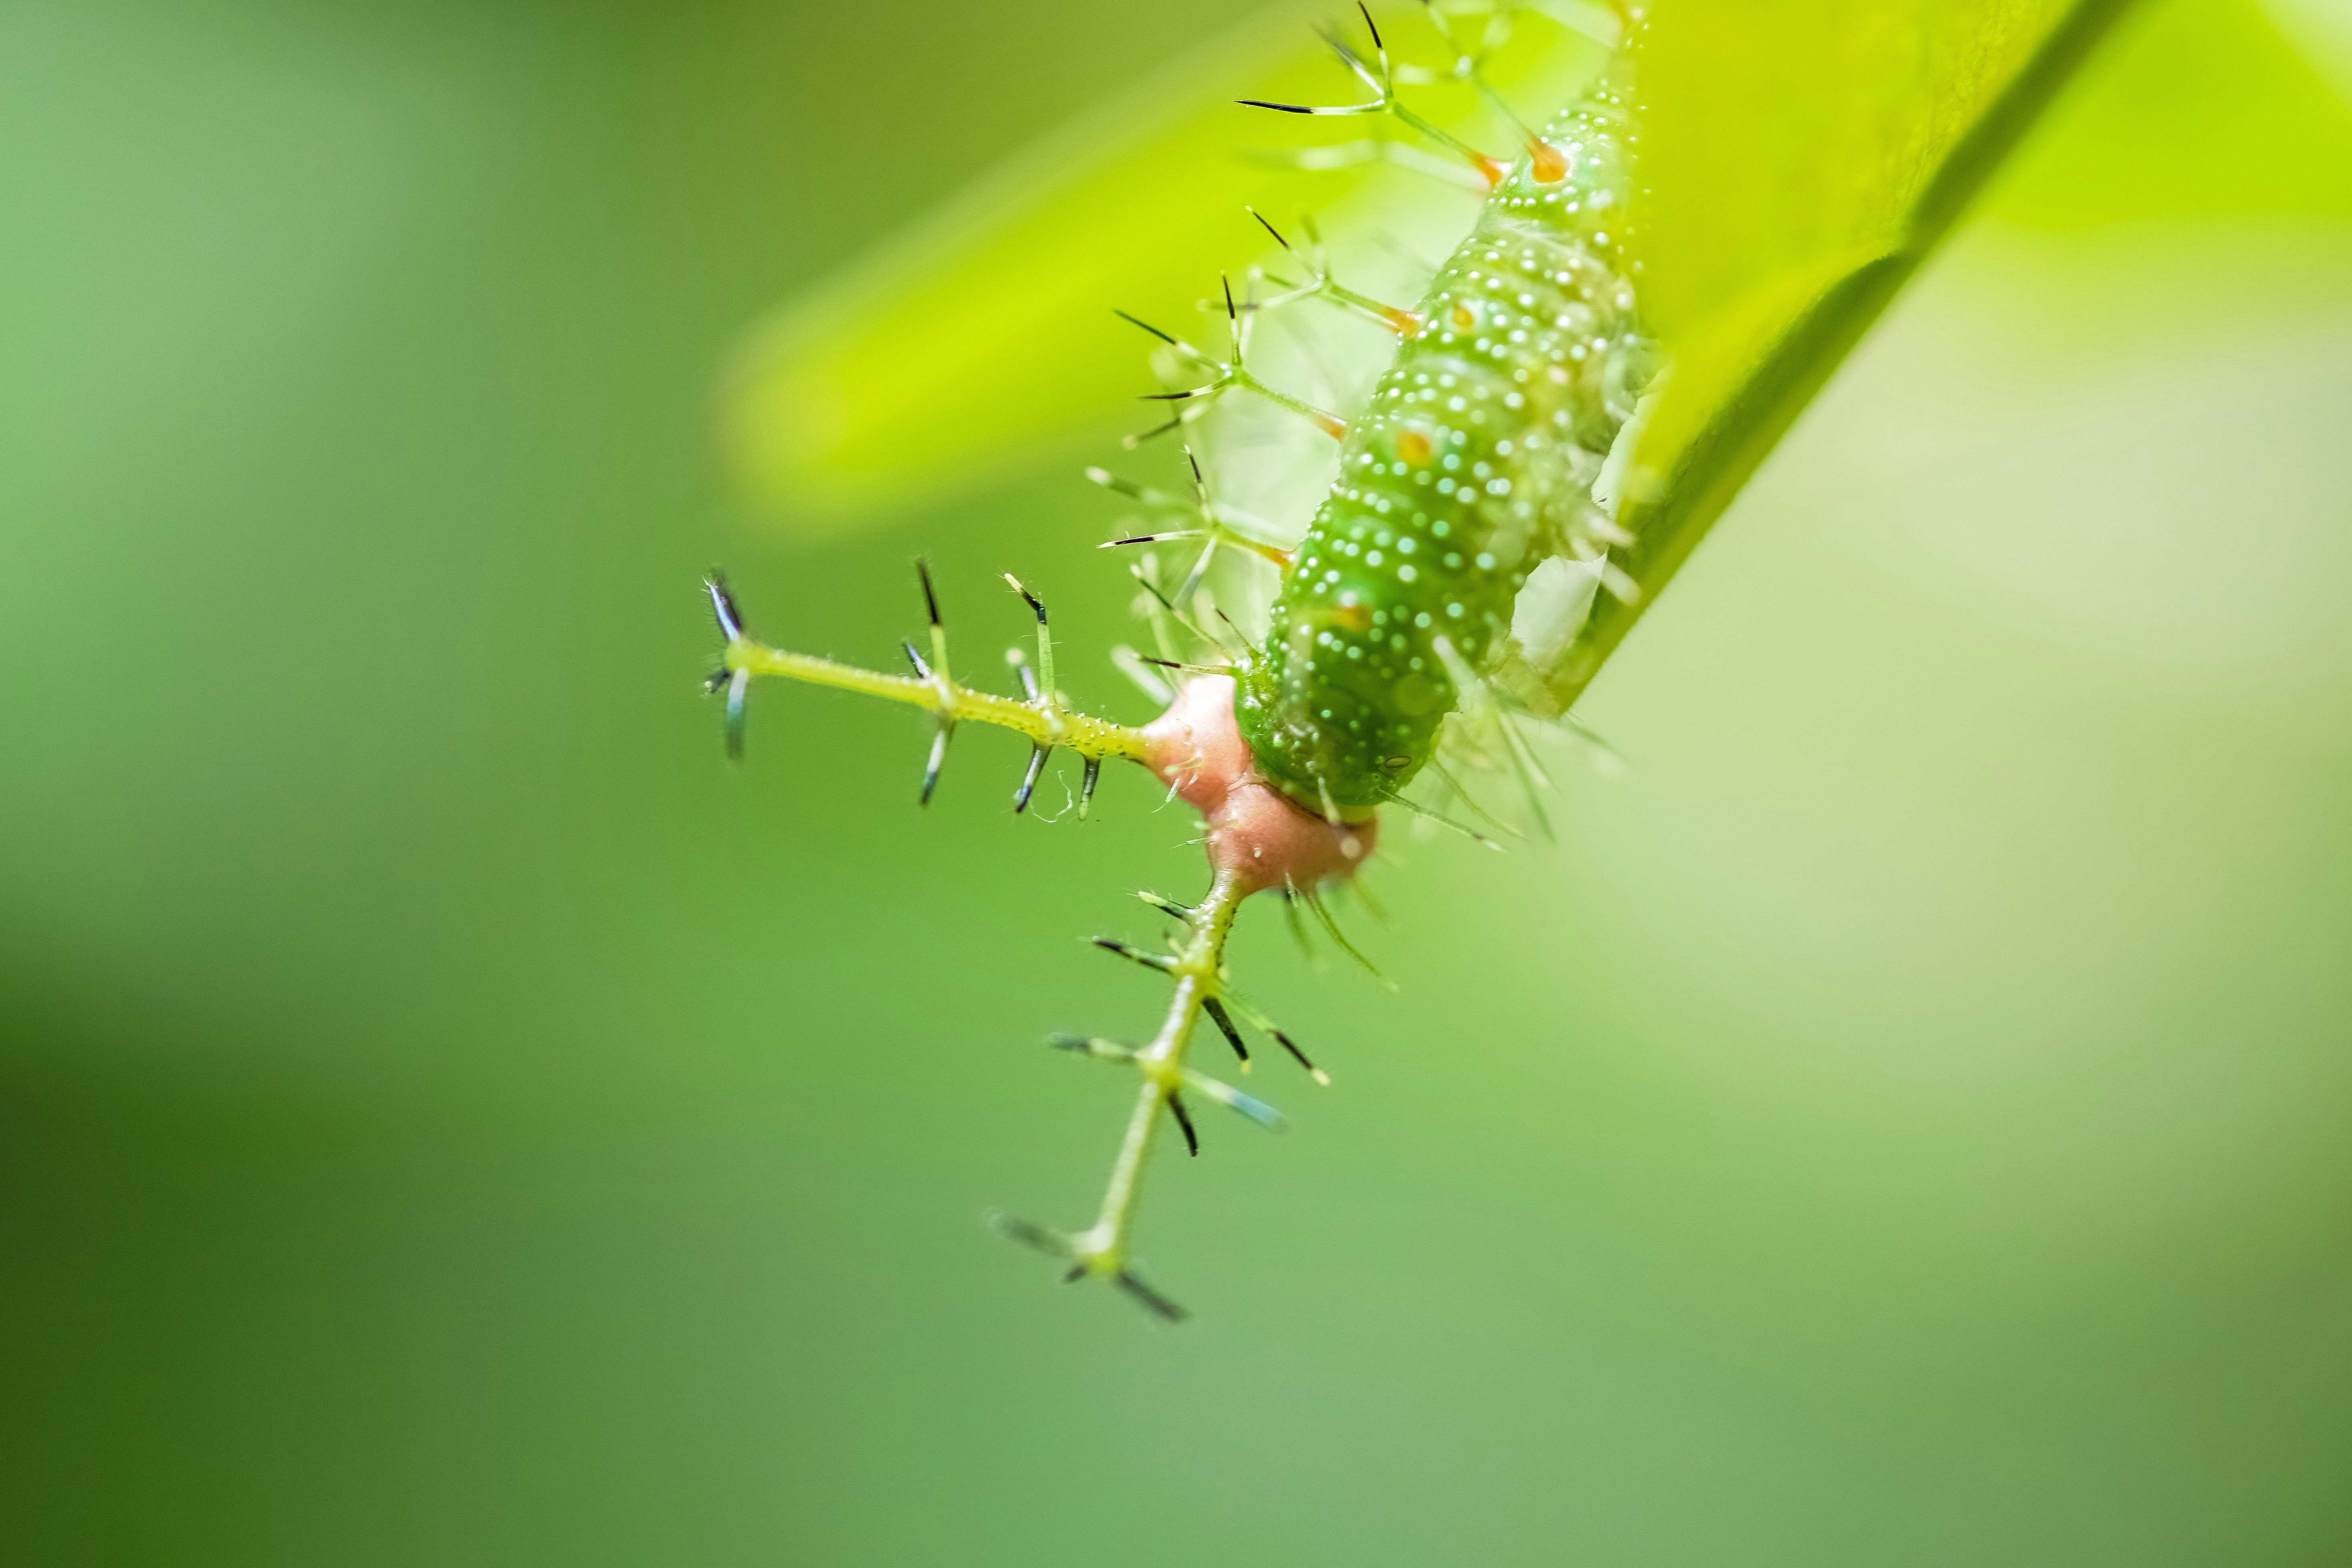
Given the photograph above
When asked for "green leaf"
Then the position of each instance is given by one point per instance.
(2200, 109)
(1802, 158)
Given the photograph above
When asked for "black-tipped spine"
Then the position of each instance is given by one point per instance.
(1154, 960)
(1288, 1044)
(1224, 1023)
(736, 688)
(1168, 906)
(1184, 1123)
(1037, 755)
(1139, 322)
(930, 594)
(1153, 1301)
(722, 606)
(1013, 1228)
(1092, 1045)
(937, 758)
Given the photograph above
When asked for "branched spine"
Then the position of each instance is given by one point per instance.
(1105, 1251)
(1042, 717)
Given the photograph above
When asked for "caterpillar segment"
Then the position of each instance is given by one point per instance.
(1448, 566)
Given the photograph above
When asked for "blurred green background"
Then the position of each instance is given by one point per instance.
(447, 1115)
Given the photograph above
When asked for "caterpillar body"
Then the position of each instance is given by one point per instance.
(1476, 461)
(1455, 556)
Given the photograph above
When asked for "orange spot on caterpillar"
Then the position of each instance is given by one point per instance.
(1412, 446)
(1463, 318)
(1355, 617)
(1402, 322)
(1547, 163)
(1493, 173)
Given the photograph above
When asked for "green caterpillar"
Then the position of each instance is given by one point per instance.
(1476, 460)
(1448, 566)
